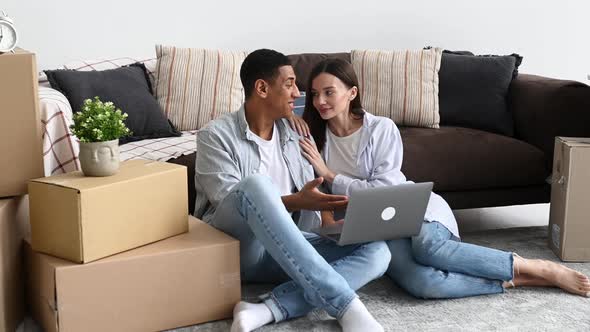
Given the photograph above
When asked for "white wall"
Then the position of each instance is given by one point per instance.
(553, 36)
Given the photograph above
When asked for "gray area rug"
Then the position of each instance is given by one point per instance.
(525, 309)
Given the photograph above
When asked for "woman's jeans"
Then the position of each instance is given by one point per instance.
(435, 264)
(315, 272)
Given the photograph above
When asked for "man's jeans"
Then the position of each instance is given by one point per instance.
(314, 271)
(435, 264)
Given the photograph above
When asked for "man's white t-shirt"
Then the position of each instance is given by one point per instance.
(272, 162)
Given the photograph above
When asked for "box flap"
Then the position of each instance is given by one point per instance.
(64, 208)
(576, 141)
(558, 211)
(20, 51)
(130, 169)
(576, 225)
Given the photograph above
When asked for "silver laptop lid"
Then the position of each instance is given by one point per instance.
(385, 213)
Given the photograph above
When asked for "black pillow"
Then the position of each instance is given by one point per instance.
(127, 87)
(473, 91)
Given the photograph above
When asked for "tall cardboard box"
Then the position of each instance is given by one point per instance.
(87, 218)
(20, 124)
(11, 257)
(183, 280)
(569, 216)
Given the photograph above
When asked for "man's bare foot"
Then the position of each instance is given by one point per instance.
(555, 274)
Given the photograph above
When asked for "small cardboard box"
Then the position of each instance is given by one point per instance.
(87, 218)
(569, 216)
(12, 225)
(184, 280)
(20, 124)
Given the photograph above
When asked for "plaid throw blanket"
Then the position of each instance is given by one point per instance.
(60, 146)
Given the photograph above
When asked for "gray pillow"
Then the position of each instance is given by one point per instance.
(127, 87)
(473, 91)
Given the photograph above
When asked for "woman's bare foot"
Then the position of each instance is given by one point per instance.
(554, 274)
(525, 280)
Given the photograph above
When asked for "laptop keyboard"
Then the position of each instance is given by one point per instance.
(335, 237)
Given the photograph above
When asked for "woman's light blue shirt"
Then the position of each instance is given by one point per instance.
(379, 159)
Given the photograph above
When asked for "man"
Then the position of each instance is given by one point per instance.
(252, 182)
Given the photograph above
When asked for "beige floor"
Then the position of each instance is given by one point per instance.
(469, 220)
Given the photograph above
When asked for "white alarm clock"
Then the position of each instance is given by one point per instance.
(8, 37)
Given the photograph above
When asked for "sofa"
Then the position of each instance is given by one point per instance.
(470, 168)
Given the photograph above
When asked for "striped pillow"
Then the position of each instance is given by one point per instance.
(401, 85)
(299, 104)
(195, 86)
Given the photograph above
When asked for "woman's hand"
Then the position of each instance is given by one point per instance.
(328, 219)
(311, 153)
(299, 125)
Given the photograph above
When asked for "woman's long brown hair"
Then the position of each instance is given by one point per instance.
(343, 71)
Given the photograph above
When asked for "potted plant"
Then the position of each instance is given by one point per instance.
(98, 127)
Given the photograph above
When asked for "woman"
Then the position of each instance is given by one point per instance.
(356, 149)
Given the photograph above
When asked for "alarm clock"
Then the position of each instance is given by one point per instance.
(8, 36)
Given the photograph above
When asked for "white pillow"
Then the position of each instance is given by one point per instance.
(195, 86)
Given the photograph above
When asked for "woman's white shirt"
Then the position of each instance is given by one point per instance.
(342, 160)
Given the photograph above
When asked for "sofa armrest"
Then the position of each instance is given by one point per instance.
(544, 107)
(60, 146)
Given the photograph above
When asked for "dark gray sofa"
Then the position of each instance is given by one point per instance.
(473, 168)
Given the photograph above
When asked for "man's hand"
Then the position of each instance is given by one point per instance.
(299, 125)
(328, 219)
(310, 198)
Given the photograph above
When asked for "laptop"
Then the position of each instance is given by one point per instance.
(382, 213)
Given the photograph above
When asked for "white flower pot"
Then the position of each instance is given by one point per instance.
(99, 158)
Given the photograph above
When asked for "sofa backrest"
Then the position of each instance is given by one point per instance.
(303, 63)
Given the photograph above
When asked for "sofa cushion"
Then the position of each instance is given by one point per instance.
(188, 161)
(195, 86)
(303, 64)
(127, 87)
(400, 85)
(456, 158)
(473, 91)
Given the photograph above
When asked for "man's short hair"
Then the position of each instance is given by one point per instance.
(261, 64)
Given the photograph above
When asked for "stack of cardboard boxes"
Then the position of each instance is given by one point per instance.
(116, 253)
(20, 160)
(83, 275)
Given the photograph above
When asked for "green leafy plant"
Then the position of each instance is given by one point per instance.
(99, 122)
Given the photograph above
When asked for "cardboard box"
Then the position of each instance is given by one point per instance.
(87, 218)
(12, 224)
(569, 217)
(20, 124)
(184, 280)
